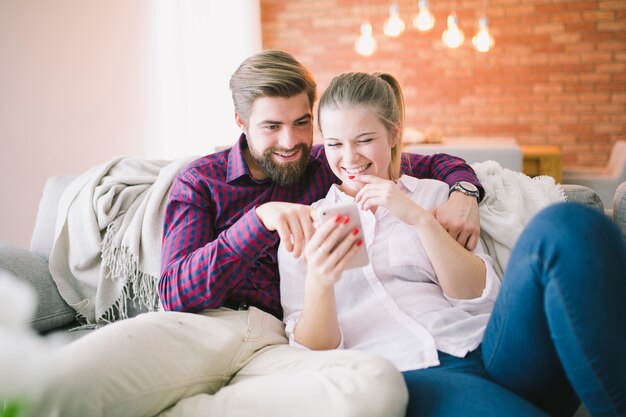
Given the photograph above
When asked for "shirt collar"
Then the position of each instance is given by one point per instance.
(237, 166)
(408, 183)
(335, 195)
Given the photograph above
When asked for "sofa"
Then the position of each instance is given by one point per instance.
(55, 317)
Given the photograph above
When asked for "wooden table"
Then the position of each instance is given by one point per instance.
(542, 160)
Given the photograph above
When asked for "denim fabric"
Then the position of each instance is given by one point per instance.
(556, 334)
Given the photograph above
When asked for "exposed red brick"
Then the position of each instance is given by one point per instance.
(557, 74)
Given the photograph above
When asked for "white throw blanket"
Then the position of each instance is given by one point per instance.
(511, 200)
(107, 246)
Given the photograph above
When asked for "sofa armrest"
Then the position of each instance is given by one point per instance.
(43, 232)
(583, 195)
(52, 311)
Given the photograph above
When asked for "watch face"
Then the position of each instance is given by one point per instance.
(468, 186)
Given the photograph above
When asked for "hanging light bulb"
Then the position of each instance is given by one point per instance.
(483, 41)
(394, 25)
(366, 44)
(424, 19)
(453, 36)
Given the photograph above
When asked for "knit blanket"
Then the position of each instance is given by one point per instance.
(106, 255)
(511, 200)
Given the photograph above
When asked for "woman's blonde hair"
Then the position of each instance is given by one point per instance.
(270, 73)
(381, 93)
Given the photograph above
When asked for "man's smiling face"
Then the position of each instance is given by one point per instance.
(280, 135)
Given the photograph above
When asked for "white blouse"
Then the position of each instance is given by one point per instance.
(394, 306)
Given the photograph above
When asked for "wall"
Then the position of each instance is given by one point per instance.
(75, 80)
(557, 74)
(84, 81)
(74, 93)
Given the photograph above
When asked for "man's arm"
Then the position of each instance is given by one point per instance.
(447, 168)
(459, 215)
(199, 269)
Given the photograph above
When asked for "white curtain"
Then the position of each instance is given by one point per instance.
(197, 44)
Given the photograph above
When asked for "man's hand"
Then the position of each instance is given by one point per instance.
(459, 216)
(292, 222)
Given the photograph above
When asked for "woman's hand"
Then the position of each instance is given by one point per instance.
(328, 251)
(458, 215)
(327, 254)
(380, 192)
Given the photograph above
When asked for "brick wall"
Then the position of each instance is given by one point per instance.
(557, 74)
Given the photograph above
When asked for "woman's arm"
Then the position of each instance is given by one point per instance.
(461, 274)
(458, 215)
(327, 254)
(318, 327)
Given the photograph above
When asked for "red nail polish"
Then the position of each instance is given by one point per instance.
(355, 231)
(359, 242)
(337, 218)
(346, 220)
(351, 177)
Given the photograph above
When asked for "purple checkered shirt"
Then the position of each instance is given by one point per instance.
(215, 249)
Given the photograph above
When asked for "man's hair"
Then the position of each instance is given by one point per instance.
(379, 92)
(270, 73)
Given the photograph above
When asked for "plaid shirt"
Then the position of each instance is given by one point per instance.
(215, 249)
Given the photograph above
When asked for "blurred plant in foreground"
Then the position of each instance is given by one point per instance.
(26, 359)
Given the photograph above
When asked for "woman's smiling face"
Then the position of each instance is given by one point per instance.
(356, 142)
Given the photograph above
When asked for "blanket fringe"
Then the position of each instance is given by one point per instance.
(139, 286)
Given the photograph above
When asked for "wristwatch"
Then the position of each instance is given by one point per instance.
(466, 188)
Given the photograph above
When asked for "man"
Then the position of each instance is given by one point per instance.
(223, 351)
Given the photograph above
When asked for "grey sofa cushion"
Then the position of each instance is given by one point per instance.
(52, 310)
(584, 195)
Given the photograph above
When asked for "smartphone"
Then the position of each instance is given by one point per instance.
(350, 209)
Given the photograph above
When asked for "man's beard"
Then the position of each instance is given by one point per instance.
(285, 173)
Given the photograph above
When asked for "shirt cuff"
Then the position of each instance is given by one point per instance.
(290, 327)
(248, 237)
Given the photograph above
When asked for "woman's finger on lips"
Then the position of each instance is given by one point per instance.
(368, 191)
(362, 190)
(369, 179)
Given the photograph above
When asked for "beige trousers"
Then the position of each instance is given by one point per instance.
(219, 363)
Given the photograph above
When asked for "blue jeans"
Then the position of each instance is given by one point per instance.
(557, 333)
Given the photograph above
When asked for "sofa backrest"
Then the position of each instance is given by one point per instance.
(582, 194)
(43, 233)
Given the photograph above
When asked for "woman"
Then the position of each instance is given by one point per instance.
(550, 335)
